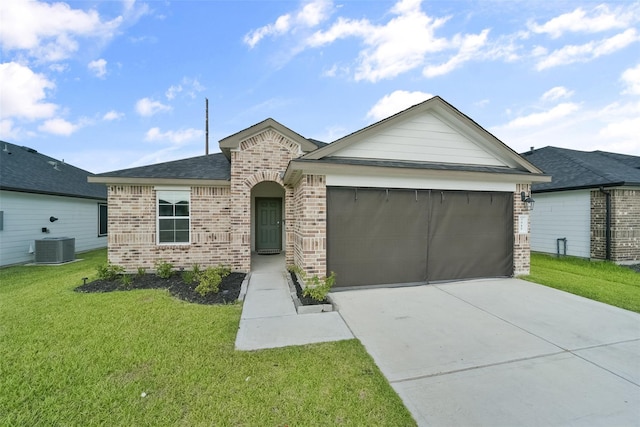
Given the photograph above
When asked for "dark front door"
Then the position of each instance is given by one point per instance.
(268, 225)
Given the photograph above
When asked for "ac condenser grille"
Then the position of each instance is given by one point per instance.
(55, 250)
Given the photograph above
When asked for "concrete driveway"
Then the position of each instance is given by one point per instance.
(501, 353)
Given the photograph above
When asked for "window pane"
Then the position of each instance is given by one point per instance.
(102, 220)
(167, 224)
(182, 224)
(165, 210)
(182, 237)
(166, 237)
(182, 209)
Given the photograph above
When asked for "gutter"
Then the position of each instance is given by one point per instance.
(607, 195)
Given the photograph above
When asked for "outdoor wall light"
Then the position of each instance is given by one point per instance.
(52, 219)
(528, 200)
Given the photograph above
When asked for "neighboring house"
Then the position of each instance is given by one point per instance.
(35, 189)
(422, 196)
(592, 206)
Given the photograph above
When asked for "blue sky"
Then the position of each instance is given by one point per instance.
(107, 85)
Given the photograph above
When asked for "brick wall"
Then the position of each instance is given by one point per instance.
(132, 228)
(625, 225)
(310, 227)
(521, 242)
(260, 158)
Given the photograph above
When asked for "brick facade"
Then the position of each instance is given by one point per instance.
(132, 228)
(221, 217)
(521, 242)
(263, 157)
(625, 225)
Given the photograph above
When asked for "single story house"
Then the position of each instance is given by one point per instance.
(40, 198)
(591, 209)
(425, 195)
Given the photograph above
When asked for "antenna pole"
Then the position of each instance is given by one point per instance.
(206, 126)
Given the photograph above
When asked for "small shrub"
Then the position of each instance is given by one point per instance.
(163, 269)
(109, 271)
(209, 279)
(191, 276)
(141, 271)
(125, 281)
(319, 288)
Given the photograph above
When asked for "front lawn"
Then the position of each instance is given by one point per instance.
(70, 358)
(600, 281)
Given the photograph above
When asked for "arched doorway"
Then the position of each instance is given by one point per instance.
(267, 218)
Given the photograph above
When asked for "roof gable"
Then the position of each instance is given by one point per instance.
(433, 132)
(232, 142)
(24, 169)
(573, 169)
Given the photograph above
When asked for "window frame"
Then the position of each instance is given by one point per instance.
(185, 192)
(106, 222)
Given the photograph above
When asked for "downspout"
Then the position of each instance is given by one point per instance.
(607, 231)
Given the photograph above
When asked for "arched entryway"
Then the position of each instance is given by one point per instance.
(267, 218)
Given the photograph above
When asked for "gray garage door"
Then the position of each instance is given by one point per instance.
(380, 236)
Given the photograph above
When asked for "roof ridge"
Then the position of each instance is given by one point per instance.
(581, 162)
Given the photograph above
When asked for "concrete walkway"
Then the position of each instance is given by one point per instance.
(269, 317)
(501, 353)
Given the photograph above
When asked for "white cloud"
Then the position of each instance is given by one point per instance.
(24, 93)
(538, 119)
(392, 48)
(613, 127)
(176, 137)
(58, 126)
(98, 67)
(395, 102)
(112, 115)
(172, 91)
(588, 51)
(49, 31)
(599, 19)
(631, 79)
(469, 47)
(7, 131)
(310, 15)
(556, 93)
(147, 107)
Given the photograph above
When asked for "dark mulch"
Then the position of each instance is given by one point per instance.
(305, 300)
(228, 293)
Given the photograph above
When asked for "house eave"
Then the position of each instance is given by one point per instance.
(51, 193)
(298, 167)
(633, 185)
(159, 181)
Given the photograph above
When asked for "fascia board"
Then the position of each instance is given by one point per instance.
(158, 181)
(322, 168)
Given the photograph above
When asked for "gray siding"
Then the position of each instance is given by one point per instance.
(26, 214)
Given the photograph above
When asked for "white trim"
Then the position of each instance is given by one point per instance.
(172, 188)
(425, 183)
(158, 194)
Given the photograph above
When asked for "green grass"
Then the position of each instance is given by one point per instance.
(601, 281)
(84, 359)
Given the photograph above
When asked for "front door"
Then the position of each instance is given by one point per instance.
(268, 225)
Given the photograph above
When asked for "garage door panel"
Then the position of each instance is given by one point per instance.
(375, 236)
(470, 235)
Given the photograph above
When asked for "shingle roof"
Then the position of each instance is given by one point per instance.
(572, 169)
(24, 169)
(208, 167)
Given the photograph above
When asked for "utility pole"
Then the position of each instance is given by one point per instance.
(206, 126)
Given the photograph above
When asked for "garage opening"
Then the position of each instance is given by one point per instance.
(397, 236)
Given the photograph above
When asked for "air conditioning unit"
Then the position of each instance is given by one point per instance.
(55, 250)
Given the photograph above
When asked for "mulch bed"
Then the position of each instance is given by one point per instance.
(305, 300)
(228, 293)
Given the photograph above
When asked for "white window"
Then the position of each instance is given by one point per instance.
(173, 217)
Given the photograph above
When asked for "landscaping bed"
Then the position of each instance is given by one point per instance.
(305, 304)
(228, 293)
